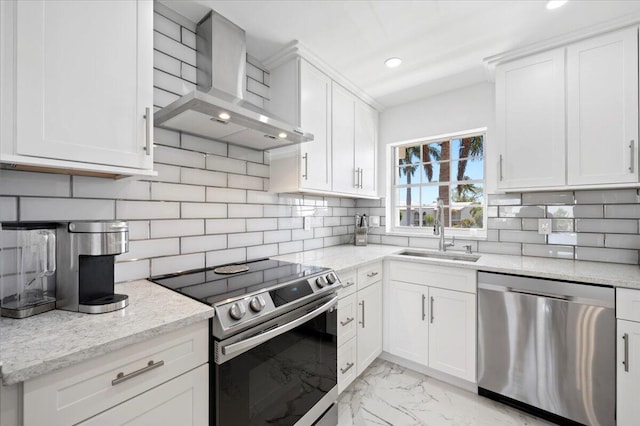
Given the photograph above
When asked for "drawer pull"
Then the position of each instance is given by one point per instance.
(148, 129)
(372, 274)
(348, 284)
(362, 304)
(343, 323)
(121, 377)
(625, 337)
(347, 368)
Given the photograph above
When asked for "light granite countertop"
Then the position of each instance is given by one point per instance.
(342, 258)
(56, 339)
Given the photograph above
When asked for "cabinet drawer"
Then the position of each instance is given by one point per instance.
(369, 274)
(73, 394)
(349, 280)
(346, 318)
(628, 304)
(346, 364)
(434, 276)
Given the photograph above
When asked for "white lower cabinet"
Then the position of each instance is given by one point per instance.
(432, 326)
(359, 321)
(181, 401)
(628, 356)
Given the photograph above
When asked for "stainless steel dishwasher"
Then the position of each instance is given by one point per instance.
(547, 347)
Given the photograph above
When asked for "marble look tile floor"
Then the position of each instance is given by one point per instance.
(387, 394)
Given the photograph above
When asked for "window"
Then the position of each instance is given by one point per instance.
(450, 168)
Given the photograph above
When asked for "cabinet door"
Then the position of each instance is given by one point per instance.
(315, 117)
(181, 401)
(342, 139)
(366, 133)
(530, 118)
(602, 130)
(369, 334)
(84, 76)
(628, 373)
(408, 322)
(452, 333)
(346, 364)
(347, 308)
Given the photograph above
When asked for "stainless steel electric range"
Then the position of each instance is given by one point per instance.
(273, 352)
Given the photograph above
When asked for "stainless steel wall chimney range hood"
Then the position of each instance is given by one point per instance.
(216, 109)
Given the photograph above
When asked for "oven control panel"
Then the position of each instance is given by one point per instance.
(268, 303)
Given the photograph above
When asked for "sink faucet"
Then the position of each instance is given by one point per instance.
(438, 228)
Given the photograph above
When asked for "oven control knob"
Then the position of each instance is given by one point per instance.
(237, 311)
(257, 304)
(321, 281)
(332, 278)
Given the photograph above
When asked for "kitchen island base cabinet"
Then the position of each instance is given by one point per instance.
(181, 401)
(431, 318)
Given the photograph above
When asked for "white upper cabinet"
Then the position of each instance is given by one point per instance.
(602, 96)
(81, 86)
(345, 175)
(366, 145)
(530, 121)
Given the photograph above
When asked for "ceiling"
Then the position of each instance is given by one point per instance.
(442, 42)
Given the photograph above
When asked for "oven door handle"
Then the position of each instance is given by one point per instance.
(261, 338)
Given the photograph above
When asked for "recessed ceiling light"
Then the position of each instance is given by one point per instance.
(393, 62)
(554, 4)
(282, 135)
(224, 116)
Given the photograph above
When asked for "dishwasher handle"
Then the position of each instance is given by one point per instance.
(539, 294)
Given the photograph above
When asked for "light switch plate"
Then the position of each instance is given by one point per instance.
(544, 226)
(306, 223)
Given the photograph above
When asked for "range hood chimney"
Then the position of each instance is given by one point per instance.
(216, 110)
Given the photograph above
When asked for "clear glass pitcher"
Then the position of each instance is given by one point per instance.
(28, 266)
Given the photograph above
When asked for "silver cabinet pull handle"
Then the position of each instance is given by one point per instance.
(361, 179)
(347, 368)
(121, 377)
(305, 157)
(362, 304)
(632, 149)
(424, 314)
(501, 167)
(372, 274)
(356, 178)
(431, 309)
(625, 337)
(347, 321)
(348, 284)
(148, 123)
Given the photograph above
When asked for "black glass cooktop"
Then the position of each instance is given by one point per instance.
(211, 287)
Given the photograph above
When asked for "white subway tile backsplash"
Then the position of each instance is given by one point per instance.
(247, 154)
(290, 247)
(14, 182)
(245, 239)
(623, 241)
(174, 48)
(254, 72)
(207, 146)
(258, 88)
(268, 224)
(338, 230)
(166, 63)
(521, 237)
(261, 197)
(222, 257)
(162, 98)
(176, 192)
(188, 72)
(179, 157)
(245, 210)
(138, 229)
(607, 196)
(188, 38)
(257, 252)
(224, 164)
(301, 234)
(203, 210)
(144, 249)
(532, 198)
(255, 169)
(331, 221)
(618, 226)
(347, 202)
(521, 211)
(277, 211)
(394, 240)
(202, 243)
(245, 182)
(65, 209)
(226, 195)
(543, 250)
(90, 187)
(277, 236)
(171, 83)
(129, 271)
(8, 209)
(203, 177)
(166, 137)
(185, 262)
(504, 223)
(176, 227)
(622, 211)
(290, 222)
(254, 99)
(423, 242)
(147, 210)
(166, 27)
(607, 255)
(505, 199)
(313, 244)
(322, 232)
(224, 226)
(500, 247)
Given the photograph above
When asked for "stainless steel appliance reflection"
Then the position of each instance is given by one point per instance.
(547, 347)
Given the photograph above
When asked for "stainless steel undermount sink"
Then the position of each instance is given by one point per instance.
(441, 255)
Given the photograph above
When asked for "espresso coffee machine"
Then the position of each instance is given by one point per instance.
(86, 256)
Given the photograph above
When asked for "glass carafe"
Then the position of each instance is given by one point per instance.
(28, 270)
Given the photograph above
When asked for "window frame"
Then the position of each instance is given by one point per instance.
(392, 194)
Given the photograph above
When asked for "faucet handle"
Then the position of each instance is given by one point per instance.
(468, 248)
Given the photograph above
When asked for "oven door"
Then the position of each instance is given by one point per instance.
(282, 373)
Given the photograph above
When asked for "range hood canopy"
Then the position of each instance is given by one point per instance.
(216, 109)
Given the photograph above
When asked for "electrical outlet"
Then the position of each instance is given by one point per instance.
(306, 223)
(544, 226)
(374, 221)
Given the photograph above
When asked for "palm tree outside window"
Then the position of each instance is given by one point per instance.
(451, 169)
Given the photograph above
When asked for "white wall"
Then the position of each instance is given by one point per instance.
(463, 109)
